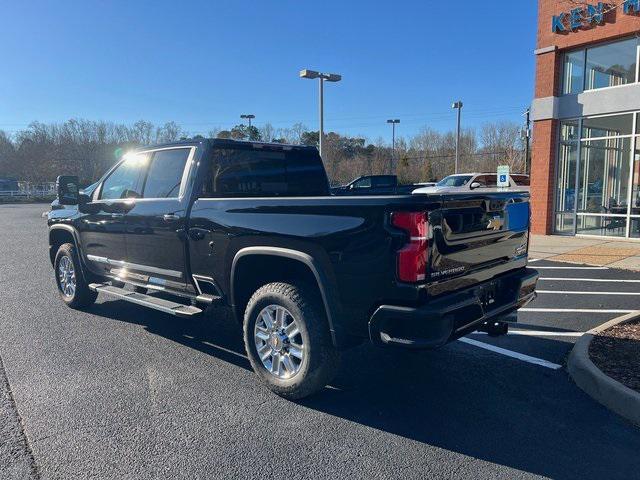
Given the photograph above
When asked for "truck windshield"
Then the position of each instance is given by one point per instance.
(454, 181)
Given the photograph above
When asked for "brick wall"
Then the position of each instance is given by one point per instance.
(548, 74)
(548, 84)
(616, 24)
(543, 156)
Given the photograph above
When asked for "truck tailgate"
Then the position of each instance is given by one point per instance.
(477, 232)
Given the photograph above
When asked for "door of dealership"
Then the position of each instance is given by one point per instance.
(597, 176)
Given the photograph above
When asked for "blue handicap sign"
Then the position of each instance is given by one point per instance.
(503, 178)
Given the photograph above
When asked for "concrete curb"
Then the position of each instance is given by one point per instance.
(602, 388)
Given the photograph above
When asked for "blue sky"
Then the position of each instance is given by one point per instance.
(204, 63)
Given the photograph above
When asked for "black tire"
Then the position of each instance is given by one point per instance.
(320, 360)
(81, 297)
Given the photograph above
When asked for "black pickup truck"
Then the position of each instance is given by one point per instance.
(252, 227)
(377, 185)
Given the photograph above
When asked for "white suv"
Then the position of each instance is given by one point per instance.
(465, 182)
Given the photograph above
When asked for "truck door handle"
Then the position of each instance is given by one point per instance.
(117, 215)
(198, 233)
(170, 217)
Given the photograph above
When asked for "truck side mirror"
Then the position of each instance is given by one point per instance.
(68, 190)
(475, 185)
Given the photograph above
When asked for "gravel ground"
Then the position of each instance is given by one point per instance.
(616, 352)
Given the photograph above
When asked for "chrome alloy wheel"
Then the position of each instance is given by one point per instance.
(67, 276)
(278, 341)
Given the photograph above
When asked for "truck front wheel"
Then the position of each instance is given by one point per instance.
(72, 285)
(287, 340)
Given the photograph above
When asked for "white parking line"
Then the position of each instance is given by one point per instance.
(538, 333)
(509, 353)
(226, 350)
(586, 293)
(605, 280)
(572, 268)
(573, 310)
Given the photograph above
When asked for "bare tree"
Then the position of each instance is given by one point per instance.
(87, 148)
(169, 132)
(267, 132)
(502, 145)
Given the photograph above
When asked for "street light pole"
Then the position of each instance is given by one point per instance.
(393, 144)
(321, 119)
(330, 77)
(248, 117)
(457, 105)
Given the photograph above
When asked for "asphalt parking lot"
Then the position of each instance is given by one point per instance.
(572, 299)
(118, 391)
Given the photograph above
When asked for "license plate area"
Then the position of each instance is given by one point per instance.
(488, 295)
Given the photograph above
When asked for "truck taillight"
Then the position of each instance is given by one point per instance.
(413, 257)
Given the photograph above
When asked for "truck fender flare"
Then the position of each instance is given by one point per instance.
(74, 234)
(330, 302)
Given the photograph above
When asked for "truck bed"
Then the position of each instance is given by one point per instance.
(352, 239)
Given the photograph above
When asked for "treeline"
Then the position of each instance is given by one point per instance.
(87, 148)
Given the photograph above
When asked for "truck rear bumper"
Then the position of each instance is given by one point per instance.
(452, 316)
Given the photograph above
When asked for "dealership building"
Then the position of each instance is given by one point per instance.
(585, 167)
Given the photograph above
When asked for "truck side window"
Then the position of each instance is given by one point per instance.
(363, 183)
(165, 173)
(244, 172)
(126, 180)
(384, 182)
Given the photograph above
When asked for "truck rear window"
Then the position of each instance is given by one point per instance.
(263, 172)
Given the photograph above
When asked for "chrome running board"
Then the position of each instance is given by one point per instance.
(160, 304)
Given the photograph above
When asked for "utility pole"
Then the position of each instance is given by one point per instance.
(393, 123)
(458, 106)
(527, 135)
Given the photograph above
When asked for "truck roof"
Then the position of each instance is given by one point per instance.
(229, 142)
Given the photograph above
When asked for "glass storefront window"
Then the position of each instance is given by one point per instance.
(603, 185)
(634, 230)
(565, 223)
(573, 81)
(566, 184)
(569, 130)
(597, 190)
(602, 226)
(607, 65)
(611, 126)
(635, 186)
(611, 65)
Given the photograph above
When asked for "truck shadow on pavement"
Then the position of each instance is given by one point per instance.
(459, 398)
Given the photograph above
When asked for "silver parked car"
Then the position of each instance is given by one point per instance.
(465, 182)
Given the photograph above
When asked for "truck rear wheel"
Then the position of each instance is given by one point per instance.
(287, 339)
(72, 285)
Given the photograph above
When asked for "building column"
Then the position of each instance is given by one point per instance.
(543, 175)
(543, 152)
